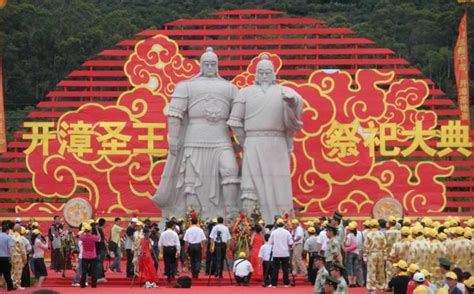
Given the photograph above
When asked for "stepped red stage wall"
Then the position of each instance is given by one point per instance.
(373, 128)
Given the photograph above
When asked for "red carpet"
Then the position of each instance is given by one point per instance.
(117, 283)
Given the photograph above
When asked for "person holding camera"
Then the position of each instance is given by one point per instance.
(54, 234)
(170, 246)
(89, 255)
(242, 270)
(219, 236)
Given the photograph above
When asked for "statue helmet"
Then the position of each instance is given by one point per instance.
(209, 55)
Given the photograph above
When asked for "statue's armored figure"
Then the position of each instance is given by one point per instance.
(201, 171)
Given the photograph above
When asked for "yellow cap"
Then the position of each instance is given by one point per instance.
(295, 221)
(405, 231)
(22, 230)
(311, 230)
(139, 224)
(352, 226)
(262, 222)
(317, 221)
(91, 221)
(467, 233)
(459, 231)
(401, 264)
(325, 223)
(451, 275)
(35, 225)
(413, 268)
(374, 223)
(415, 230)
(433, 233)
(457, 220)
(421, 289)
(86, 227)
(36, 232)
(427, 221)
(242, 254)
(442, 291)
(392, 219)
(426, 273)
(426, 231)
(280, 221)
(469, 282)
(214, 220)
(442, 236)
(470, 223)
(366, 223)
(309, 223)
(406, 221)
(80, 233)
(447, 224)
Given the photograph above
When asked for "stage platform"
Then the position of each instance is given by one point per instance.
(117, 283)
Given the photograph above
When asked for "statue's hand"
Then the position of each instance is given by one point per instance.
(173, 146)
(291, 101)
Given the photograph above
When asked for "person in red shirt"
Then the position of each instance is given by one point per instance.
(89, 255)
(146, 265)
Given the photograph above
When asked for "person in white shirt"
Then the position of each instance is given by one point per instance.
(265, 258)
(322, 240)
(169, 245)
(40, 244)
(219, 236)
(297, 258)
(194, 239)
(281, 241)
(242, 269)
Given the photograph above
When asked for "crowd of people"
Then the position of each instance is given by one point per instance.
(395, 255)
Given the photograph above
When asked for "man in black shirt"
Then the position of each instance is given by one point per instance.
(399, 283)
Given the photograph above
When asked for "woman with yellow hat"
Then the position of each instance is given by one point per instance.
(40, 244)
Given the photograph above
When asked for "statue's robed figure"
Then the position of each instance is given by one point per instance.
(265, 117)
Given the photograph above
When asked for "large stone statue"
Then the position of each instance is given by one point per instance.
(265, 117)
(201, 171)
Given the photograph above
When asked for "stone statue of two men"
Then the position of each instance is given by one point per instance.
(201, 171)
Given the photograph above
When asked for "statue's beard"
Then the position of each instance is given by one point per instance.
(265, 84)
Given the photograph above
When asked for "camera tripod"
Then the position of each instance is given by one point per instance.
(216, 258)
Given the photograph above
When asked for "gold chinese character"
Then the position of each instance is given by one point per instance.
(342, 139)
(39, 132)
(372, 139)
(418, 140)
(385, 136)
(150, 138)
(79, 137)
(113, 140)
(454, 135)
